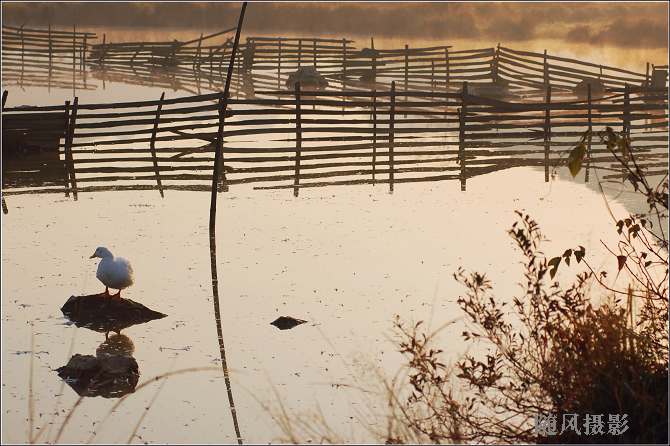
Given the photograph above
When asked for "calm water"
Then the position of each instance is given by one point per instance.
(346, 259)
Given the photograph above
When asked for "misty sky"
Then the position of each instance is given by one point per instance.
(628, 24)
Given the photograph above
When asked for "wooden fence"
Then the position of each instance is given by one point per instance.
(316, 139)
(38, 57)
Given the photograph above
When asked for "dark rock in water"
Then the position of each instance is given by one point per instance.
(108, 376)
(286, 322)
(103, 313)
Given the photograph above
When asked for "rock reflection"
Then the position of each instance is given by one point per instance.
(111, 373)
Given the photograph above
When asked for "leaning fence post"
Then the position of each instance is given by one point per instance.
(68, 146)
(406, 71)
(447, 74)
(374, 134)
(4, 101)
(299, 52)
(391, 137)
(314, 50)
(545, 73)
(626, 110)
(74, 57)
(547, 132)
(222, 184)
(590, 128)
(66, 132)
(279, 67)
(152, 144)
(298, 140)
(462, 115)
(344, 70)
(646, 77)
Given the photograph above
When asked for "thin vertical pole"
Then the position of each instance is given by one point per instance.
(50, 57)
(546, 70)
(391, 137)
(590, 128)
(646, 77)
(374, 62)
(298, 140)
(314, 50)
(83, 53)
(299, 52)
(344, 70)
(222, 184)
(212, 233)
(68, 146)
(74, 57)
(447, 74)
(406, 70)
(66, 133)
(152, 144)
(432, 79)
(626, 110)
(22, 55)
(462, 115)
(4, 101)
(547, 132)
(279, 67)
(374, 134)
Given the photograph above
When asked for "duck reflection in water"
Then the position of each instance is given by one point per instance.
(111, 373)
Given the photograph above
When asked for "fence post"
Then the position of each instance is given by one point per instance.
(374, 61)
(406, 71)
(152, 144)
(222, 180)
(626, 110)
(50, 57)
(4, 101)
(66, 133)
(391, 137)
(68, 146)
(82, 57)
(279, 67)
(545, 74)
(374, 134)
(432, 79)
(23, 51)
(447, 74)
(344, 70)
(590, 128)
(74, 58)
(298, 140)
(462, 115)
(314, 50)
(547, 132)
(646, 77)
(494, 64)
(299, 52)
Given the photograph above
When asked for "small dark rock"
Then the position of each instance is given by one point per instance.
(102, 313)
(286, 322)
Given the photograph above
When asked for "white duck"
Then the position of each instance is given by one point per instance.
(113, 272)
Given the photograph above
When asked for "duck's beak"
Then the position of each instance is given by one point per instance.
(93, 256)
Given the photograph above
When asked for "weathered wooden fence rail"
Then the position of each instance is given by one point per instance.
(314, 139)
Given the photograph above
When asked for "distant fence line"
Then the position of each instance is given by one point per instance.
(314, 139)
(266, 63)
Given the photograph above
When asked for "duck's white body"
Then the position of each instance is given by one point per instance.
(113, 272)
